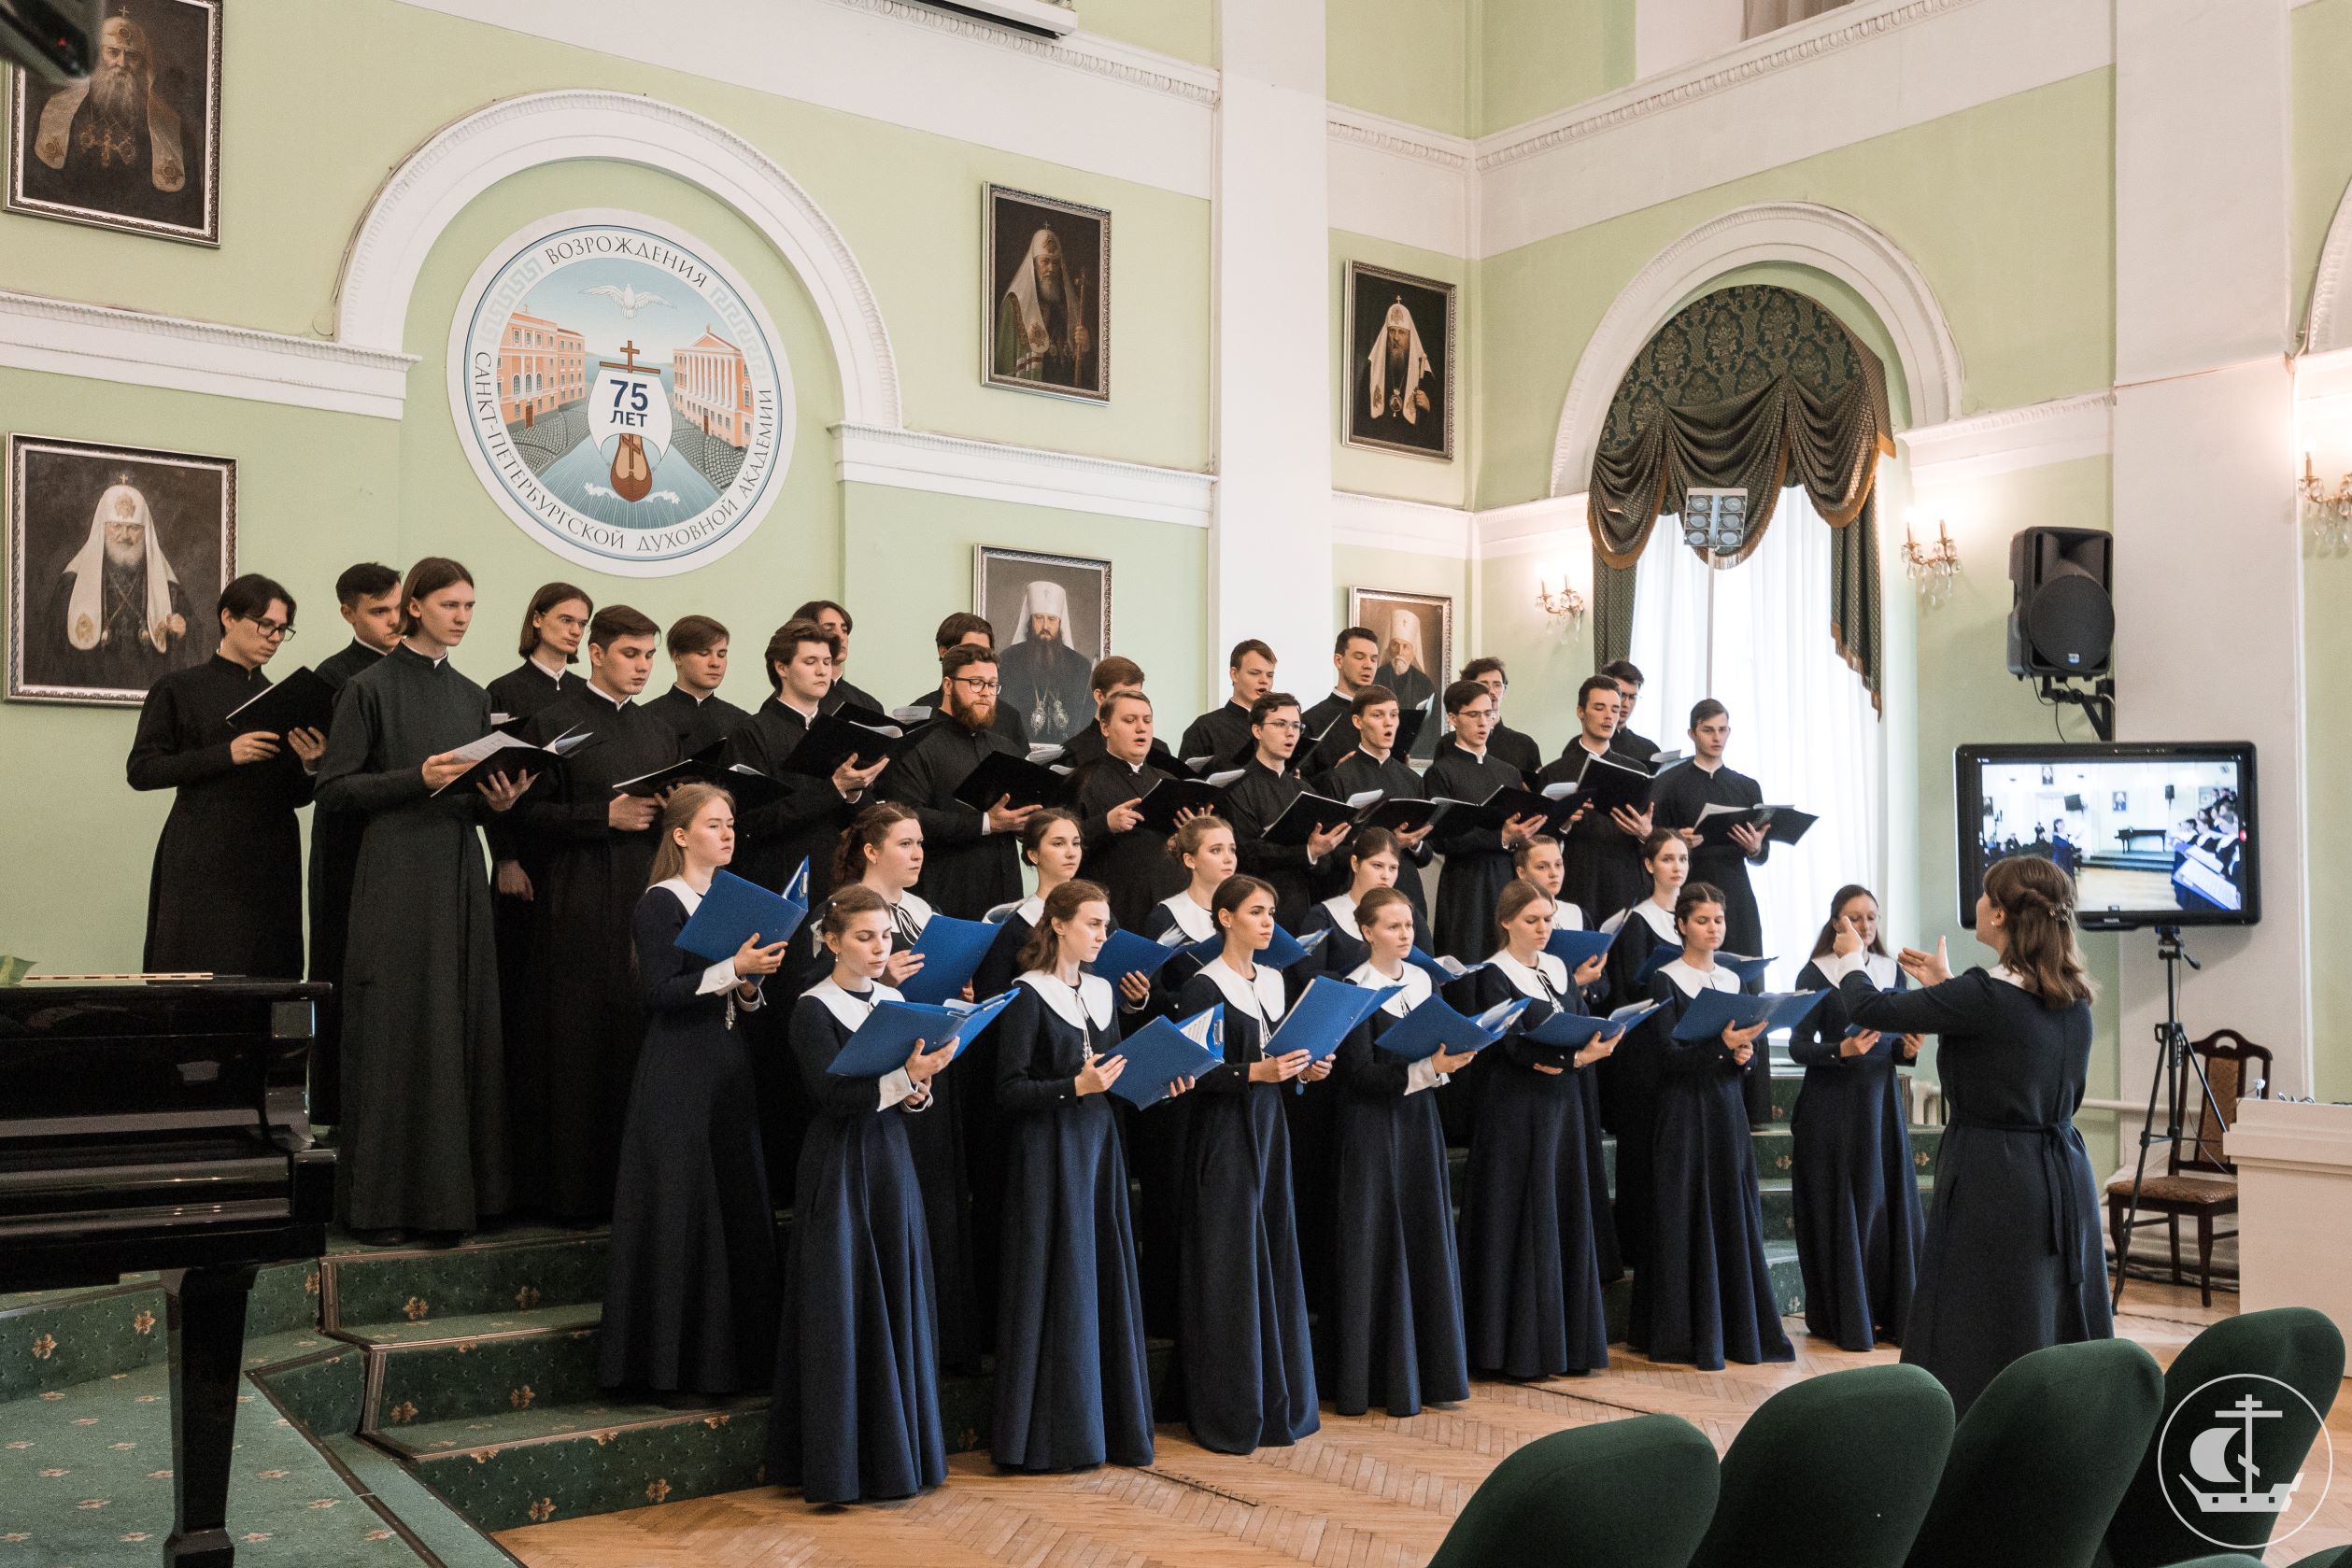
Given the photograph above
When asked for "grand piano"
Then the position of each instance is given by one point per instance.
(165, 1126)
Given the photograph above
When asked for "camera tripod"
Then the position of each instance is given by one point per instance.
(2172, 1055)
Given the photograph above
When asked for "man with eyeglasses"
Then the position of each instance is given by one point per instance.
(1514, 746)
(964, 629)
(1267, 787)
(971, 859)
(1478, 860)
(226, 893)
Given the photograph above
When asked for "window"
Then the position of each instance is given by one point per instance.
(1756, 638)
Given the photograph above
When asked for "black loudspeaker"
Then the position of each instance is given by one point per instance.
(55, 39)
(2062, 613)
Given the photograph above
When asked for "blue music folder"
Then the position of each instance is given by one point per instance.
(1750, 970)
(731, 913)
(1161, 1052)
(1281, 950)
(1322, 1017)
(1125, 953)
(1441, 971)
(1573, 1031)
(796, 888)
(952, 950)
(887, 1038)
(1577, 947)
(1435, 1026)
(1713, 1012)
(1660, 956)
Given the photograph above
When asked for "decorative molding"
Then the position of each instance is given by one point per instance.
(66, 337)
(1055, 17)
(1777, 50)
(1083, 52)
(457, 164)
(1802, 232)
(1531, 528)
(2322, 377)
(1385, 523)
(2324, 327)
(1362, 128)
(1399, 182)
(2011, 439)
(988, 470)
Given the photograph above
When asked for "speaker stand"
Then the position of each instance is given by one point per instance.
(2098, 703)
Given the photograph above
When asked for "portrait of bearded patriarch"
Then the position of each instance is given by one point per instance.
(136, 145)
(113, 549)
(1048, 272)
(1401, 370)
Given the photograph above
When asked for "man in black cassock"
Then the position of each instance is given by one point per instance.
(837, 625)
(1602, 850)
(1640, 748)
(1722, 856)
(1373, 764)
(1222, 733)
(966, 630)
(423, 1142)
(1268, 785)
(692, 707)
(971, 859)
(1355, 662)
(568, 1078)
(1129, 861)
(1514, 746)
(368, 597)
(225, 895)
(1477, 859)
(806, 823)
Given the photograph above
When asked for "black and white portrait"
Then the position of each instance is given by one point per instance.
(1416, 636)
(115, 557)
(1053, 619)
(1048, 316)
(1399, 369)
(136, 145)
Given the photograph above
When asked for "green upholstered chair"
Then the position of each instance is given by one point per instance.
(1836, 1472)
(2334, 1556)
(1633, 1493)
(2224, 1560)
(2297, 1346)
(2078, 1415)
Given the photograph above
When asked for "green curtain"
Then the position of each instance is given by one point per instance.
(1757, 389)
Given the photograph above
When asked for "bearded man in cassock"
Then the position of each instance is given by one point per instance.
(1042, 329)
(124, 612)
(1047, 681)
(970, 858)
(1394, 395)
(111, 142)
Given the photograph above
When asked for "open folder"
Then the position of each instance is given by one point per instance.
(952, 950)
(1578, 948)
(1573, 1031)
(1713, 1012)
(1280, 953)
(1441, 971)
(1125, 953)
(1324, 1015)
(732, 912)
(302, 701)
(499, 755)
(887, 1038)
(1781, 824)
(1435, 1026)
(1162, 1051)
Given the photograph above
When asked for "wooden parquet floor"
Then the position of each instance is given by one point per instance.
(1371, 1491)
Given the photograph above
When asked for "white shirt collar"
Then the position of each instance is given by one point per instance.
(808, 715)
(848, 1011)
(1566, 917)
(1032, 910)
(1660, 920)
(1523, 979)
(618, 702)
(2009, 976)
(556, 674)
(686, 896)
(1415, 979)
(1092, 1000)
(698, 701)
(1342, 916)
(1589, 751)
(1261, 998)
(1197, 923)
(1701, 764)
(1881, 968)
(1690, 981)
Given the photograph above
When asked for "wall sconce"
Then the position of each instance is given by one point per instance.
(1932, 568)
(1560, 599)
(2326, 517)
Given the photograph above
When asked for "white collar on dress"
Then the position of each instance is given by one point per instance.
(2009, 976)
(1660, 920)
(1881, 968)
(1261, 998)
(1343, 914)
(1415, 979)
(686, 896)
(914, 905)
(848, 1011)
(1031, 909)
(1690, 981)
(1566, 917)
(1092, 1000)
(1197, 923)
(1523, 979)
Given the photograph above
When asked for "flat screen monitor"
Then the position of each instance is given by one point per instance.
(2151, 834)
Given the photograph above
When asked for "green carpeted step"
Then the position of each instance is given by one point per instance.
(70, 1337)
(434, 1329)
(320, 1388)
(1773, 1145)
(513, 1271)
(285, 1297)
(449, 1535)
(541, 1358)
(1779, 1206)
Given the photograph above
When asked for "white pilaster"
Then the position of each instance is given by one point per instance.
(2208, 595)
(1270, 574)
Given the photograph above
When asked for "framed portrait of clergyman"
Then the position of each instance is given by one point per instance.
(1052, 615)
(1399, 368)
(1415, 632)
(136, 144)
(1046, 326)
(117, 555)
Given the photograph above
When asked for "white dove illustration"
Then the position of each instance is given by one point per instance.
(628, 299)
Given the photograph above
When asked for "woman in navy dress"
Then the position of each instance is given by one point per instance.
(1398, 1312)
(690, 1277)
(1204, 848)
(1704, 1294)
(1374, 860)
(1249, 1373)
(856, 1413)
(2012, 1261)
(1856, 1196)
(1531, 1280)
(1071, 1385)
(1631, 1079)
(1540, 860)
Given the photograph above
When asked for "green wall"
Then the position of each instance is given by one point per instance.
(1406, 59)
(1533, 57)
(2320, 36)
(1184, 28)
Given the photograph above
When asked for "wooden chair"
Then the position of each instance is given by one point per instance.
(2198, 1180)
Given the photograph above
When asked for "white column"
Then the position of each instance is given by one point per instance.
(2208, 595)
(1270, 259)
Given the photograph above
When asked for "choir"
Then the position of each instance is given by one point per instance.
(524, 1035)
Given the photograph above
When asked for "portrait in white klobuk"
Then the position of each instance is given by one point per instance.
(1400, 362)
(1048, 325)
(1052, 615)
(1415, 633)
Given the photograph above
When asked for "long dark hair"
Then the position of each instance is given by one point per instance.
(2037, 901)
(1234, 891)
(1828, 938)
(1062, 904)
(547, 597)
(867, 831)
